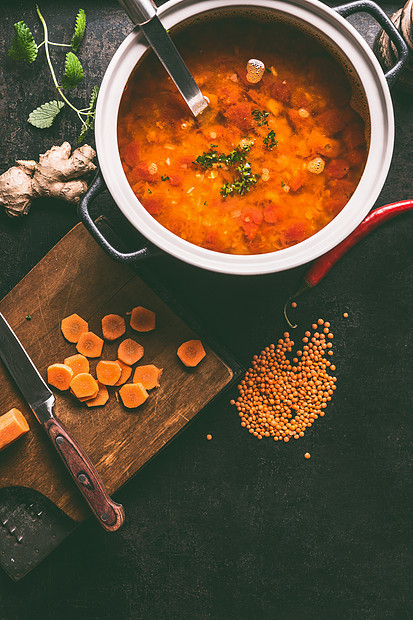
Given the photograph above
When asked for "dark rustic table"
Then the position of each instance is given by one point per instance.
(234, 527)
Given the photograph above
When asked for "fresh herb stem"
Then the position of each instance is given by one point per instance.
(24, 47)
(49, 62)
(58, 44)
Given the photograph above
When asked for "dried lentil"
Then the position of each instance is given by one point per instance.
(280, 398)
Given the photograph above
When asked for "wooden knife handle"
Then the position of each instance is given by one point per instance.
(109, 514)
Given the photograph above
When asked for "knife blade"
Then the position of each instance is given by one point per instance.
(24, 372)
(41, 400)
(144, 14)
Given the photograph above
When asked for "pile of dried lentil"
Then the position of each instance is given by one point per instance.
(280, 398)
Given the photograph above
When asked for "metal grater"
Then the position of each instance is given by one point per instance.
(31, 527)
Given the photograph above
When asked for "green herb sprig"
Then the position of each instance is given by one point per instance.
(261, 117)
(270, 141)
(243, 184)
(24, 47)
(246, 179)
(209, 158)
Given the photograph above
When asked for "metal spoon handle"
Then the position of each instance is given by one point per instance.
(144, 14)
(139, 11)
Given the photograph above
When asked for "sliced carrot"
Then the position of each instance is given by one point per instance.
(108, 372)
(84, 386)
(73, 327)
(113, 326)
(90, 345)
(125, 374)
(13, 425)
(148, 376)
(60, 376)
(130, 352)
(78, 363)
(101, 398)
(191, 352)
(133, 395)
(142, 319)
(86, 398)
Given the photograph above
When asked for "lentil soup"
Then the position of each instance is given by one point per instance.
(274, 158)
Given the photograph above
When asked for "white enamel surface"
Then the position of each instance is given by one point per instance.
(331, 26)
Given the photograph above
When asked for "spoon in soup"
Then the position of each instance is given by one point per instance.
(143, 13)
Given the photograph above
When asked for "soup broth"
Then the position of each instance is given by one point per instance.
(268, 164)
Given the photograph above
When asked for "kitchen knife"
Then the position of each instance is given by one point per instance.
(41, 400)
(143, 13)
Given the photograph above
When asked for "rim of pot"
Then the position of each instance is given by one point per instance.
(327, 25)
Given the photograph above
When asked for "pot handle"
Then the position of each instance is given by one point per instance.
(367, 6)
(96, 187)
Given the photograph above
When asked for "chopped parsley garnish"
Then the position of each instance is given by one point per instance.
(208, 159)
(237, 155)
(149, 191)
(28, 317)
(164, 177)
(282, 184)
(245, 179)
(267, 70)
(260, 116)
(270, 140)
(243, 184)
(206, 203)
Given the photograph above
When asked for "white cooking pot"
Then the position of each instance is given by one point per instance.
(328, 25)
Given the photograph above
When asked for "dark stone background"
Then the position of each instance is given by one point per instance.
(236, 528)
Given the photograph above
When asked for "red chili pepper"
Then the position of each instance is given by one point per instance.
(322, 265)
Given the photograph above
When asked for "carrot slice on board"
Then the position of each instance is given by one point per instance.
(59, 376)
(101, 398)
(86, 398)
(73, 327)
(130, 352)
(113, 326)
(125, 374)
(133, 395)
(142, 319)
(108, 372)
(84, 386)
(148, 376)
(13, 425)
(78, 363)
(191, 352)
(90, 345)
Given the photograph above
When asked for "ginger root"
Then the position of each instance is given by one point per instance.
(57, 174)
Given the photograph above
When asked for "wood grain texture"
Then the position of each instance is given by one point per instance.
(77, 276)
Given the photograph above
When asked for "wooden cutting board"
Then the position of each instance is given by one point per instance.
(76, 276)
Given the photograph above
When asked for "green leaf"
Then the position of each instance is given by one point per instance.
(93, 98)
(23, 46)
(83, 132)
(90, 120)
(73, 71)
(80, 25)
(44, 116)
